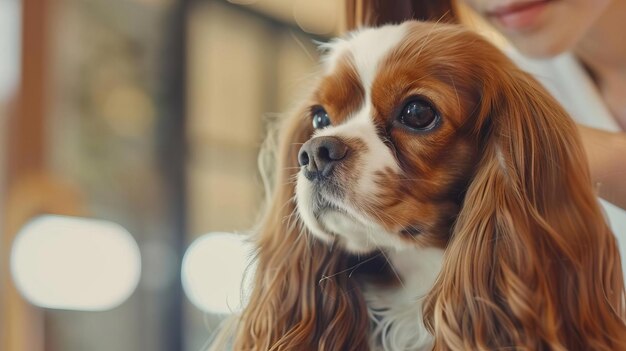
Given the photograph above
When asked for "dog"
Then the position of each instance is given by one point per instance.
(429, 195)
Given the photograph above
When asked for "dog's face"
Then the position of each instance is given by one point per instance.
(390, 154)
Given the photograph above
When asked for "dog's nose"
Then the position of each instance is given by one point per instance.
(319, 155)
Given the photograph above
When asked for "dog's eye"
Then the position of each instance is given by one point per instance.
(320, 119)
(418, 115)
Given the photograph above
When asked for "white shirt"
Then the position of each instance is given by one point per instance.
(564, 77)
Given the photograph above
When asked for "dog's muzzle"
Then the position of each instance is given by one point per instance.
(319, 156)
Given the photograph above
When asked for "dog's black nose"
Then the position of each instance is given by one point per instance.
(319, 155)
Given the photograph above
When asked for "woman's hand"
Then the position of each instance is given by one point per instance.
(606, 152)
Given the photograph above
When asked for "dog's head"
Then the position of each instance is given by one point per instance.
(424, 135)
(395, 137)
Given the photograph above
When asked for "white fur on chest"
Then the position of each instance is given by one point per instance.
(396, 313)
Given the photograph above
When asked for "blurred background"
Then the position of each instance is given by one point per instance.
(147, 116)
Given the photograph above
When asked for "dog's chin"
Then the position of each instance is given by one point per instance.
(334, 222)
(352, 235)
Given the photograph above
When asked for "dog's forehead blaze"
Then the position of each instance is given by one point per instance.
(341, 92)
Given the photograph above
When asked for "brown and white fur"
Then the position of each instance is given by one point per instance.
(479, 230)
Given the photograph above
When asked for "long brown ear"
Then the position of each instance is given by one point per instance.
(532, 264)
(300, 299)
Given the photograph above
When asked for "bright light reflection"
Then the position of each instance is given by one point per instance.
(213, 271)
(75, 263)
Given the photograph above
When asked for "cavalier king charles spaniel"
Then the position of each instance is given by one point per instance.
(431, 195)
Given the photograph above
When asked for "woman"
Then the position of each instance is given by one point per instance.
(575, 48)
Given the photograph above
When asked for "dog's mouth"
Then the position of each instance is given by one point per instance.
(325, 201)
(328, 193)
(324, 211)
(322, 205)
(330, 217)
(333, 216)
(334, 212)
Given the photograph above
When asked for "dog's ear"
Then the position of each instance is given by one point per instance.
(300, 300)
(532, 263)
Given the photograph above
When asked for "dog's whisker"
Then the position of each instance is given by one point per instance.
(350, 269)
(427, 40)
(456, 92)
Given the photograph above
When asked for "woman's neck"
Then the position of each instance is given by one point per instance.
(603, 51)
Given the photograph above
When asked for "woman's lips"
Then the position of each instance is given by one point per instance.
(518, 16)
